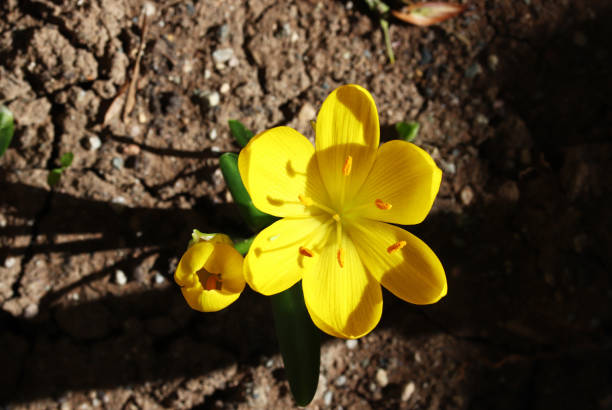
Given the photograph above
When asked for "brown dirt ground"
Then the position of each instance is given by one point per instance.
(514, 101)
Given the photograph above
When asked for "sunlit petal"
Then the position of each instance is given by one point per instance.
(343, 301)
(276, 167)
(275, 262)
(412, 272)
(405, 178)
(347, 131)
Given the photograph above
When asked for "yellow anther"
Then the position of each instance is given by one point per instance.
(213, 282)
(340, 256)
(396, 246)
(307, 201)
(380, 204)
(336, 217)
(306, 252)
(348, 165)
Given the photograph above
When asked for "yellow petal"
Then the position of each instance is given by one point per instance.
(412, 272)
(208, 300)
(192, 261)
(274, 262)
(405, 178)
(226, 261)
(347, 127)
(342, 301)
(277, 166)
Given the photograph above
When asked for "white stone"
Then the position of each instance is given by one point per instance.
(381, 377)
(327, 397)
(212, 134)
(222, 55)
(352, 344)
(10, 262)
(408, 391)
(120, 278)
(225, 88)
(159, 278)
(213, 98)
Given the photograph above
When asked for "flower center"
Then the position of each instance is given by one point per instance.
(209, 280)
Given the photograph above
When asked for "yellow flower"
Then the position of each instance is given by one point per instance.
(210, 273)
(334, 200)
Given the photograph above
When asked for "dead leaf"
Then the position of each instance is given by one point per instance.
(115, 107)
(428, 13)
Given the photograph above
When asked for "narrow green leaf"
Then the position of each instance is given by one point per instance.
(242, 246)
(255, 219)
(407, 131)
(6, 128)
(54, 177)
(66, 159)
(299, 341)
(241, 133)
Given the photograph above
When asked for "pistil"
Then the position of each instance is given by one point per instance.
(396, 246)
(382, 205)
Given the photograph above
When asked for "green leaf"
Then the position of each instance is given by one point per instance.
(66, 159)
(241, 133)
(6, 128)
(299, 341)
(54, 177)
(407, 131)
(255, 219)
(242, 246)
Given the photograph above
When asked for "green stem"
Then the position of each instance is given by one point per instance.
(243, 245)
(384, 24)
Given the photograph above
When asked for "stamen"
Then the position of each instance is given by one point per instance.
(380, 204)
(306, 252)
(336, 217)
(396, 246)
(213, 282)
(348, 165)
(340, 256)
(307, 201)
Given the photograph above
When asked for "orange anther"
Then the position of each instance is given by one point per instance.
(380, 204)
(213, 282)
(306, 252)
(396, 246)
(340, 256)
(348, 165)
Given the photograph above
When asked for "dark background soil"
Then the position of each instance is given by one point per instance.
(513, 98)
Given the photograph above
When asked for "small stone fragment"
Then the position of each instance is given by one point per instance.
(381, 377)
(493, 61)
(132, 149)
(120, 278)
(30, 311)
(467, 195)
(352, 344)
(159, 278)
(10, 262)
(222, 55)
(307, 113)
(117, 162)
(225, 88)
(408, 391)
(341, 380)
(328, 397)
(212, 134)
(212, 99)
(92, 143)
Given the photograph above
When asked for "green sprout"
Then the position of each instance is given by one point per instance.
(6, 128)
(407, 131)
(55, 174)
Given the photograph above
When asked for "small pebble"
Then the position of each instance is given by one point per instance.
(132, 149)
(307, 113)
(327, 397)
(92, 143)
(341, 380)
(120, 278)
(212, 134)
(234, 62)
(212, 99)
(225, 88)
(10, 262)
(417, 357)
(467, 195)
(30, 311)
(493, 62)
(352, 344)
(207, 74)
(222, 55)
(269, 363)
(408, 391)
(223, 32)
(473, 70)
(159, 278)
(117, 162)
(149, 9)
(381, 377)
(482, 119)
